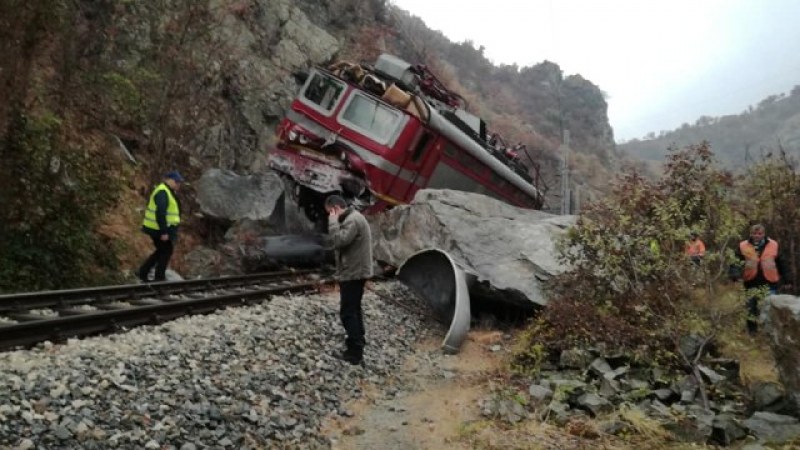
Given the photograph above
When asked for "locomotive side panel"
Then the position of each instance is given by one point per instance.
(415, 158)
(460, 171)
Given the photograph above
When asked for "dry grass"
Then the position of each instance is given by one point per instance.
(577, 434)
(753, 352)
(643, 426)
(530, 435)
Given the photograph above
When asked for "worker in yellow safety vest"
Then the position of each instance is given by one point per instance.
(161, 220)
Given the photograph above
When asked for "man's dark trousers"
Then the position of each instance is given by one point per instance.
(753, 311)
(159, 258)
(352, 316)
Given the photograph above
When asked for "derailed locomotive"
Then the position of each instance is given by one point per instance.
(376, 135)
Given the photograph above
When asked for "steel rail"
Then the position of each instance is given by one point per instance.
(71, 297)
(93, 322)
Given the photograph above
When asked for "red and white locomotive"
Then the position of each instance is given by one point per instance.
(377, 135)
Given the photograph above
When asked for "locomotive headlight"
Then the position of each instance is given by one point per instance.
(303, 139)
(292, 135)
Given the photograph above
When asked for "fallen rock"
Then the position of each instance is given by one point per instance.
(696, 425)
(709, 374)
(599, 367)
(223, 194)
(202, 262)
(508, 249)
(768, 396)
(774, 428)
(593, 403)
(784, 331)
(575, 359)
(726, 430)
(539, 393)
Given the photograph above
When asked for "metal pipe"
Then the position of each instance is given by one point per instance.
(435, 277)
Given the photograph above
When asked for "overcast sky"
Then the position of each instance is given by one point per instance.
(660, 62)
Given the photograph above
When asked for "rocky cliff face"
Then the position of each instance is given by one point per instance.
(271, 39)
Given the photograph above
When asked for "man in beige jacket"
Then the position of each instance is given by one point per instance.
(350, 237)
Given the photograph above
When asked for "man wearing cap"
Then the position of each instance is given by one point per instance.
(161, 220)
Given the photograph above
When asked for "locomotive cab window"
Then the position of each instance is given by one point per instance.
(322, 92)
(372, 118)
(420, 147)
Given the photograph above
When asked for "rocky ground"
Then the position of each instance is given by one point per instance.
(251, 377)
(264, 377)
(429, 402)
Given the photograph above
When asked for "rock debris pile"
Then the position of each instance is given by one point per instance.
(253, 377)
(613, 388)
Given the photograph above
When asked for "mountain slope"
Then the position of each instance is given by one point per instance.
(773, 124)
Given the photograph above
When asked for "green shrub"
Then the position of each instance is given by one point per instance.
(52, 194)
(630, 283)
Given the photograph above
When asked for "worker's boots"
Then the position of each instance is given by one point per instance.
(353, 355)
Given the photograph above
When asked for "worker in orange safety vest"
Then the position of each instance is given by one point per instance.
(695, 248)
(763, 266)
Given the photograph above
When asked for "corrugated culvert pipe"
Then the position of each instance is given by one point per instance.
(435, 277)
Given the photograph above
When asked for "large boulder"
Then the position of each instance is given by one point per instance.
(773, 428)
(509, 250)
(223, 194)
(784, 331)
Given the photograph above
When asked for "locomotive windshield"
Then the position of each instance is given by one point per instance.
(372, 118)
(322, 92)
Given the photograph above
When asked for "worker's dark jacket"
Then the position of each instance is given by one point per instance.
(162, 201)
(760, 280)
(350, 237)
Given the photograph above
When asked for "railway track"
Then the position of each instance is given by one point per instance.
(33, 317)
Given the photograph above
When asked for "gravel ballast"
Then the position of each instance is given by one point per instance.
(262, 376)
